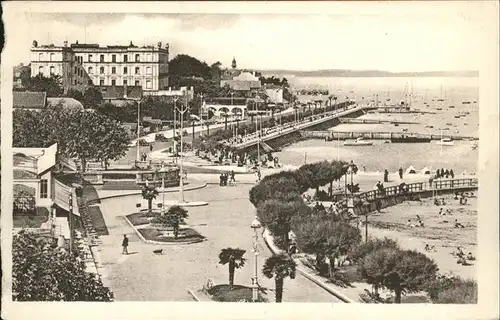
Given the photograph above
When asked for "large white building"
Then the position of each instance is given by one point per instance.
(47, 60)
(130, 65)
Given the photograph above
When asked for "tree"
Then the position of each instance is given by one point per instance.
(83, 135)
(51, 85)
(277, 188)
(43, 272)
(234, 258)
(184, 65)
(372, 245)
(276, 215)
(92, 97)
(149, 193)
(401, 271)
(279, 267)
(325, 238)
(75, 94)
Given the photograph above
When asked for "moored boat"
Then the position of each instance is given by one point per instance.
(445, 142)
(358, 142)
(410, 139)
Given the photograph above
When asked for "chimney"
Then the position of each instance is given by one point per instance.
(66, 43)
(76, 41)
(124, 91)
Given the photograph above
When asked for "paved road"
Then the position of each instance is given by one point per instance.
(143, 276)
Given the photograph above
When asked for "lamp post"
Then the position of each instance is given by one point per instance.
(201, 105)
(181, 182)
(70, 219)
(255, 225)
(232, 94)
(175, 124)
(162, 171)
(138, 130)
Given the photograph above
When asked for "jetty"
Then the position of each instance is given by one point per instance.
(373, 121)
(274, 137)
(340, 135)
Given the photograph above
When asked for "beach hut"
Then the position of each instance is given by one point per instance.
(410, 170)
(425, 171)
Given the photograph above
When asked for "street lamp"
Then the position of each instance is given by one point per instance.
(232, 94)
(138, 144)
(181, 182)
(162, 170)
(255, 225)
(175, 125)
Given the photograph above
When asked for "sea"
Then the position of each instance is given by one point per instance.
(437, 117)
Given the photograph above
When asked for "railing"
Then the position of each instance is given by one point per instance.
(437, 185)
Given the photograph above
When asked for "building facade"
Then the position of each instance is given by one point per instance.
(48, 60)
(130, 65)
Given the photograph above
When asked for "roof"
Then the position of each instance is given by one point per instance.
(65, 102)
(31, 100)
(20, 174)
(116, 92)
(308, 97)
(131, 125)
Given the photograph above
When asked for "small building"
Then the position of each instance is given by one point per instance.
(153, 124)
(29, 100)
(274, 93)
(245, 81)
(121, 95)
(18, 72)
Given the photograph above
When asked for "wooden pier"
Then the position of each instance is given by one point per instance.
(335, 135)
(373, 121)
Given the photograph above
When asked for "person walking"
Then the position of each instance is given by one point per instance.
(150, 148)
(125, 244)
(400, 173)
(232, 177)
(386, 175)
(452, 174)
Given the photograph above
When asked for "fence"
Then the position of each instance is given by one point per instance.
(412, 188)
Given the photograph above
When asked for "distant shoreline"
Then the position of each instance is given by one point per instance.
(370, 74)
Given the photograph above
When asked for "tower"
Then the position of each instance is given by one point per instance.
(233, 64)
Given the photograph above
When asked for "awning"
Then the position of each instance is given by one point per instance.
(62, 195)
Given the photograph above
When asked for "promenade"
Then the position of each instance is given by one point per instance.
(225, 222)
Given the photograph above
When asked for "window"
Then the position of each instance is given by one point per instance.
(113, 58)
(125, 58)
(89, 82)
(52, 70)
(136, 70)
(101, 70)
(101, 82)
(148, 57)
(75, 70)
(90, 58)
(44, 189)
(113, 82)
(125, 70)
(125, 82)
(102, 58)
(137, 83)
(40, 57)
(148, 70)
(52, 56)
(74, 82)
(91, 70)
(40, 70)
(113, 70)
(137, 58)
(148, 84)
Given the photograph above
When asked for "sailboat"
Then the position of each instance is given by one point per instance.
(445, 141)
(441, 98)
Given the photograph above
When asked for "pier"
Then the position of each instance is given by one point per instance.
(373, 121)
(277, 133)
(336, 135)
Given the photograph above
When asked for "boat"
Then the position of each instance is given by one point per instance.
(451, 107)
(410, 139)
(429, 126)
(445, 142)
(358, 142)
(387, 141)
(439, 108)
(396, 124)
(449, 123)
(458, 116)
(465, 102)
(440, 99)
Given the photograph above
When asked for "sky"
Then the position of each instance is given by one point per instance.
(444, 41)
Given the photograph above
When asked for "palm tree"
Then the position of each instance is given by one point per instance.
(149, 193)
(233, 257)
(279, 267)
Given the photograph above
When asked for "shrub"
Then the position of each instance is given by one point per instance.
(322, 196)
(453, 290)
(373, 244)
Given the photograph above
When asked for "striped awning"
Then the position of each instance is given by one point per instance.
(62, 196)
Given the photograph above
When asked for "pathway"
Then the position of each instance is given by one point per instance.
(143, 276)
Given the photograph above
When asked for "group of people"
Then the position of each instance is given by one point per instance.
(442, 173)
(225, 176)
(461, 197)
(419, 223)
(462, 258)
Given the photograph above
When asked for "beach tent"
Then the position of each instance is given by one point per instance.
(425, 171)
(410, 170)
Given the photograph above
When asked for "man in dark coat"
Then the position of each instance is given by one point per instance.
(125, 244)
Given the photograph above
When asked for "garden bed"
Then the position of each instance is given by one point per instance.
(138, 218)
(186, 235)
(221, 293)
